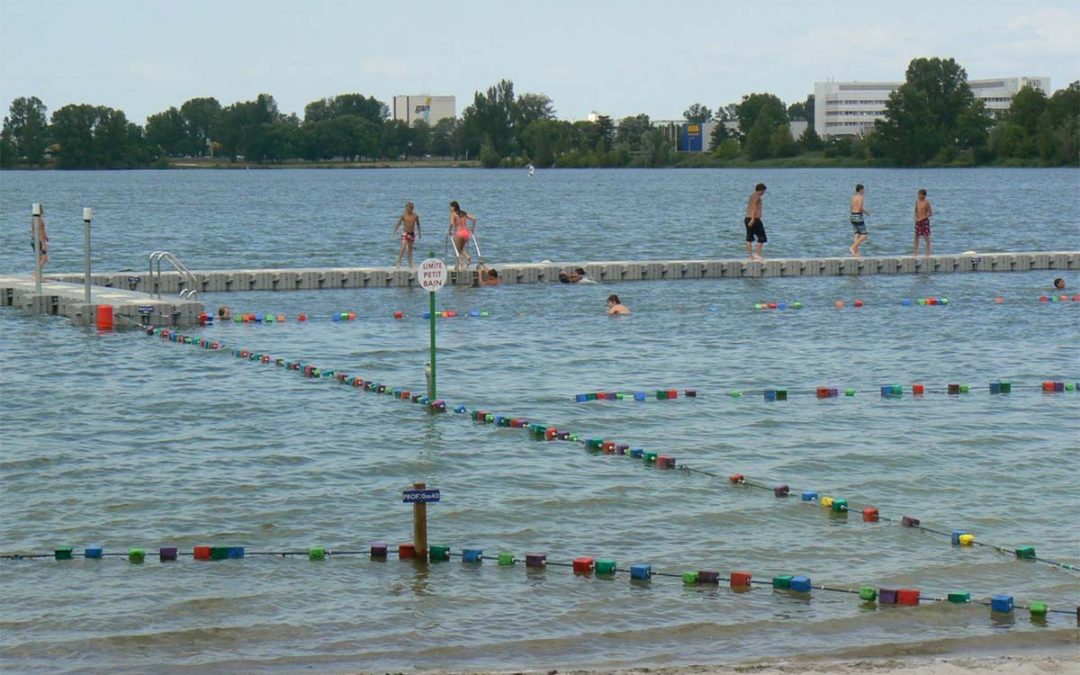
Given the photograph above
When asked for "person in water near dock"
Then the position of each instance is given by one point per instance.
(1059, 284)
(485, 276)
(858, 220)
(41, 245)
(409, 222)
(923, 211)
(615, 306)
(224, 313)
(755, 229)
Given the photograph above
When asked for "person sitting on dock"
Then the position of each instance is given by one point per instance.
(615, 306)
(485, 276)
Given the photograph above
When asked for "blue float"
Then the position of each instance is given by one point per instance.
(234, 552)
(800, 584)
(639, 396)
(474, 313)
(641, 571)
(581, 398)
(460, 409)
(906, 302)
(472, 555)
(93, 552)
(335, 317)
(1001, 603)
(637, 453)
(809, 496)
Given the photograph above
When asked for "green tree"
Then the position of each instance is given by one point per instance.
(781, 144)
(802, 110)
(26, 127)
(396, 137)
(72, 129)
(697, 113)
(755, 107)
(421, 137)
(242, 126)
(631, 131)
(442, 138)
(809, 141)
(168, 131)
(544, 140)
(658, 147)
(720, 134)
(200, 119)
(1026, 107)
(529, 108)
(491, 118)
(932, 111)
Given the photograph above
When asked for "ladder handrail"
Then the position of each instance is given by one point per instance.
(190, 281)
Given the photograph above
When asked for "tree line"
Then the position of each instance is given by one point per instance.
(932, 119)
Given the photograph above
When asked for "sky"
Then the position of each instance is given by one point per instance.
(613, 57)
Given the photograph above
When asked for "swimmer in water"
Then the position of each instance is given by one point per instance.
(615, 306)
(1059, 284)
(485, 276)
(224, 313)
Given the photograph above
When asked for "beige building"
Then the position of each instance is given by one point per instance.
(431, 109)
(852, 108)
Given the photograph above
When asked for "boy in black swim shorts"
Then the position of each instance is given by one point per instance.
(755, 229)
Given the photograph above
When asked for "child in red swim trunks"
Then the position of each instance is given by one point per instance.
(410, 232)
(923, 211)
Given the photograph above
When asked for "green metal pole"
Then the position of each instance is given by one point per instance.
(431, 315)
(431, 319)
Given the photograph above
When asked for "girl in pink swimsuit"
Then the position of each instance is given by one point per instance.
(459, 230)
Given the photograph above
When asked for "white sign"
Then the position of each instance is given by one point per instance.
(432, 274)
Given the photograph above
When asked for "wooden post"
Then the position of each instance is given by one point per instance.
(420, 524)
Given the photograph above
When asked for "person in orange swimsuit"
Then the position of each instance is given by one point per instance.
(460, 231)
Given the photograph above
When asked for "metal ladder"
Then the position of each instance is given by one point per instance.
(190, 283)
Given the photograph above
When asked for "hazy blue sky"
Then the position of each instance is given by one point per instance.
(617, 58)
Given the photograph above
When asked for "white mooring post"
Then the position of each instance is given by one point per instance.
(87, 216)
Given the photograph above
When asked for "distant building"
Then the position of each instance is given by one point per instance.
(852, 108)
(431, 109)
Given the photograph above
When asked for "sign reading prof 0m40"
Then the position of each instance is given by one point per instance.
(432, 274)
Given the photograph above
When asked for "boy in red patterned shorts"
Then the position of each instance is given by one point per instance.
(923, 211)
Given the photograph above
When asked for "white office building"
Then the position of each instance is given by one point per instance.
(431, 109)
(851, 108)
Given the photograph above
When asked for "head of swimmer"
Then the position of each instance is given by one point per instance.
(1059, 284)
(613, 300)
(760, 187)
(408, 207)
(455, 207)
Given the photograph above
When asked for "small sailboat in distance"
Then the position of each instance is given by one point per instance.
(532, 169)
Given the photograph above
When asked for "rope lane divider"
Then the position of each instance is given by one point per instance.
(784, 393)
(835, 506)
(207, 319)
(799, 586)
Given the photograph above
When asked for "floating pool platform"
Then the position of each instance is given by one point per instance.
(137, 299)
(222, 281)
(129, 308)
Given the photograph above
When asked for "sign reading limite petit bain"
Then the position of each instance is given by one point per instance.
(432, 274)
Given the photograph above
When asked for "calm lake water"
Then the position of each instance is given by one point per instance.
(125, 440)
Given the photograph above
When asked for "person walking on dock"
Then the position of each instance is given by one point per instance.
(754, 227)
(923, 211)
(858, 220)
(409, 222)
(461, 233)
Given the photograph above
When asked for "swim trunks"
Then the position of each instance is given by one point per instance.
(755, 229)
(408, 236)
(858, 221)
(922, 228)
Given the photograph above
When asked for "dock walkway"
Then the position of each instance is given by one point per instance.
(223, 281)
